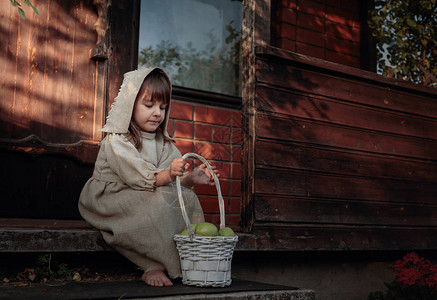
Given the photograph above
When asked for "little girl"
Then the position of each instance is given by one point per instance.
(131, 197)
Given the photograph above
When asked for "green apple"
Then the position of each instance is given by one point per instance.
(226, 231)
(206, 229)
(185, 231)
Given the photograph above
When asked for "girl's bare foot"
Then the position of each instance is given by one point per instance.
(156, 278)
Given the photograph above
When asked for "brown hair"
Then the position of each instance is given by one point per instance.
(157, 87)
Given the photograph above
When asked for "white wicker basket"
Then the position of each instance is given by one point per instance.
(205, 260)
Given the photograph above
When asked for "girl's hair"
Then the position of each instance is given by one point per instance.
(157, 87)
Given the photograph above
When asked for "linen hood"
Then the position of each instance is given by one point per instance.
(121, 110)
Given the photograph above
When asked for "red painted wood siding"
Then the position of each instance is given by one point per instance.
(344, 159)
(48, 81)
(51, 107)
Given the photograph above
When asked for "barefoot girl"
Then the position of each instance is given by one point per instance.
(131, 197)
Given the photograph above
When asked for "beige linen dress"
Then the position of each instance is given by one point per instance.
(120, 199)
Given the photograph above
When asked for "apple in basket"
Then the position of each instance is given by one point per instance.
(206, 229)
(185, 231)
(226, 231)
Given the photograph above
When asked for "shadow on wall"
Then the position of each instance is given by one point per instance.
(47, 76)
(49, 105)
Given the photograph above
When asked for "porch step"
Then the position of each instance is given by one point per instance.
(239, 289)
(42, 235)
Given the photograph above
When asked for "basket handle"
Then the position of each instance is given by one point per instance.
(219, 193)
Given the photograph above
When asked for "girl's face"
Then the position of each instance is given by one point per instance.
(148, 114)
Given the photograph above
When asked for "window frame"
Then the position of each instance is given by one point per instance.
(185, 93)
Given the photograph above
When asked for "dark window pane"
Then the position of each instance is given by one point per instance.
(196, 41)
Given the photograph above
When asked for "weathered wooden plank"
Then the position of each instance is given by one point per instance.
(274, 53)
(339, 161)
(124, 44)
(265, 237)
(54, 235)
(270, 208)
(343, 159)
(51, 107)
(69, 35)
(84, 151)
(335, 111)
(248, 41)
(283, 74)
(301, 130)
(50, 82)
(10, 46)
(306, 237)
(326, 185)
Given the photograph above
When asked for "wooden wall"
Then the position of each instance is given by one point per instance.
(48, 79)
(343, 159)
(334, 158)
(57, 71)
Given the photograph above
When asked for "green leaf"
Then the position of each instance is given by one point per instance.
(15, 3)
(22, 14)
(31, 5)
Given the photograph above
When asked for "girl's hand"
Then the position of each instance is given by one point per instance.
(177, 167)
(201, 175)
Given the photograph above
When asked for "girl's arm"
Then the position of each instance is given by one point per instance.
(177, 168)
(127, 163)
(163, 178)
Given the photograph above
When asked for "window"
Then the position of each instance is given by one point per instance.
(197, 42)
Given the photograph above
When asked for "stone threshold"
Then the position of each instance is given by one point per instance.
(239, 289)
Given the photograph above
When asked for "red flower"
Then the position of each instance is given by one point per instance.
(431, 280)
(415, 275)
(412, 257)
(408, 276)
(408, 260)
(413, 270)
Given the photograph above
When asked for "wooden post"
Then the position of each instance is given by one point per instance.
(255, 32)
(100, 54)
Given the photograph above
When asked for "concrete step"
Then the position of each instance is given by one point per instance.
(239, 289)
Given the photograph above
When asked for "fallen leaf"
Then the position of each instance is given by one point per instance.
(21, 284)
(56, 284)
(76, 276)
(31, 276)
